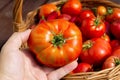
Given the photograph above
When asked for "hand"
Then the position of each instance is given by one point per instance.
(17, 64)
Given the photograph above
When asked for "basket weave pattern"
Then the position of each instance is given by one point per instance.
(20, 25)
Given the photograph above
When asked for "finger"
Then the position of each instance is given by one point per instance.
(61, 72)
(47, 70)
(17, 39)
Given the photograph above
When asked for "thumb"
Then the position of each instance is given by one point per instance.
(61, 72)
(16, 40)
(11, 61)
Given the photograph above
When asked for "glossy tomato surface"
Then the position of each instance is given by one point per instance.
(95, 51)
(85, 14)
(115, 29)
(83, 67)
(93, 28)
(111, 62)
(101, 10)
(105, 37)
(46, 9)
(56, 42)
(114, 44)
(72, 7)
(116, 52)
(113, 14)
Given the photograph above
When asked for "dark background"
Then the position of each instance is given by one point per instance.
(6, 18)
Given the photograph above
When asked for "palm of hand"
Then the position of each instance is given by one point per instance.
(16, 64)
(32, 70)
(22, 66)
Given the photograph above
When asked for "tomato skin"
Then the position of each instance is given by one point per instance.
(114, 15)
(110, 62)
(95, 51)
(115, 29)
(64, 16)
(116, 52)
(52, 15)
(113, 60)
(105, 37)
(114, 44)
(41, 42)
(107, 24)
(72, 7)
(101, 10)
(46, 9)
(82, 67)
(92, 29)
(84, 14)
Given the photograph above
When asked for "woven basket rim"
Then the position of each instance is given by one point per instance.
(112, 73)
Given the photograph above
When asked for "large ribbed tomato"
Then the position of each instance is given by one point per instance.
(56, 42)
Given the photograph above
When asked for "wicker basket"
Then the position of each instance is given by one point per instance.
(21, 25)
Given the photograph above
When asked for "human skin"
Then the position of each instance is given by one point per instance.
(18, 64)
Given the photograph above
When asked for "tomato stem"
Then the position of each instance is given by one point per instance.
(109, 10)
(97, 21)
(58, 40)
(43, 18)
(94, 9)
(58, 8)
(87, 45)
(117, 61)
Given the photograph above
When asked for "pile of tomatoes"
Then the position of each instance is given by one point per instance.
(69, 31)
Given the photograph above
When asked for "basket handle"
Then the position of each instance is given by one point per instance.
(18, 23)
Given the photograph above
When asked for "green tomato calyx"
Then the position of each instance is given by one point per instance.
(117, 61)
(88, 44)
(58, 40)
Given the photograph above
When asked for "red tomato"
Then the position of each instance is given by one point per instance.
(114, 44)
(93, 28)
(116, 52)
(64, 16)
(95, 51)
(113, 14)
(85, 14)
(105, 37)
(46, 9)
(115, 29)
(42, 19)
(101, 10)
(72, 7)
(73, 19)
(111, 62)
(83, 67)
(107, 24)
(55, 44)
(52, 15)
